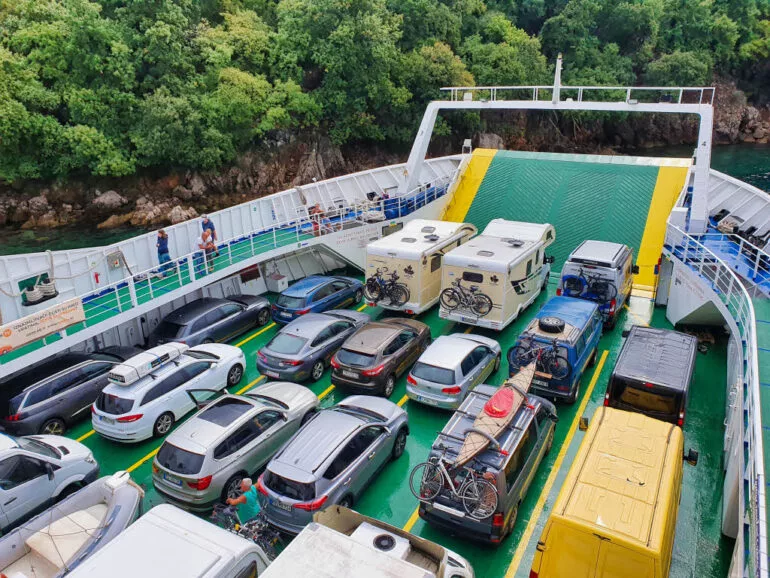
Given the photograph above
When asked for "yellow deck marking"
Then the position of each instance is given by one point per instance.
(250, 385)
(364, 306)
(469, 329)
(403, 400)
(326, 392)
(85, 436)
(469, 184)
(412, 520)
(257, 334)
(667, 188)
(519, 554)
(143, 460)
(638, 318)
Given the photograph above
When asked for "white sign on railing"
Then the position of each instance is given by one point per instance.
(41, 324)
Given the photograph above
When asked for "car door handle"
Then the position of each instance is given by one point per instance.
(345, 483)
(371, 455)
(10, 501)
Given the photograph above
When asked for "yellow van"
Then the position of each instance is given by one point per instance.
(616, 512)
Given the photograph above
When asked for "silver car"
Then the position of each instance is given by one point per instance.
(331, 460)
(232, 437)
(450, 368)
(303, 349)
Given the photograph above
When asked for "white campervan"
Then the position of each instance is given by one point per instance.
(415, 255)
(169, 542)
(492, 278)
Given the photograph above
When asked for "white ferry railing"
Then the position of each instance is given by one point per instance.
(734, 295)
(143, 286)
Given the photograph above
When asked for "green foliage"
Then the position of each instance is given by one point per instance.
(107, 87)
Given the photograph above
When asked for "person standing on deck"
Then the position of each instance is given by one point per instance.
(203, 247)
(247, 502)
(163, 254)
(208, 225)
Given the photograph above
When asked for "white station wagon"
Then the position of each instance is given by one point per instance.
(149, 392)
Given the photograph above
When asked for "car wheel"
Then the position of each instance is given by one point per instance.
(511, 521)
(346, 502)
(497, 362)
(549, 443)
(317, 371)
(263, 317)
(53, 427)
(306, 418)
(235, 375)
(232, 487)
(390, 385)
(359, 296)
(592, 361)
(544, 287)
(400, 444)
(163, 424)
(575, 394)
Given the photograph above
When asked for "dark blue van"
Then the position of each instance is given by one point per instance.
(563, 338)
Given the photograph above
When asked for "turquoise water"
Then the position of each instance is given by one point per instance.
(750, 163)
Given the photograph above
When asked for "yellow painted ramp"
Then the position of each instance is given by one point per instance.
(667, 188)
(469, 184)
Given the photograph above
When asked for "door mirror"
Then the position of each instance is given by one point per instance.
(284, 417)
(49, 470)
(387, 430)
(635, 269)
(691, 457)
(549, 260)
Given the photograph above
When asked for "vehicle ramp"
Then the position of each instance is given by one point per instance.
(610, 198)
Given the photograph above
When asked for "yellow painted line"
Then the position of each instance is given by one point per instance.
(85, 436)
(471, 328)
(667, 188)
(640, 320)
(250, 385)
(364, 306)
(402, 401)
(469, 184)
(519, 554)
(412, 520)
(257, 334)
(143, 460)
(326, 392)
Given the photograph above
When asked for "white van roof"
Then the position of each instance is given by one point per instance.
(418, 237)
(501, 245)
(165, 542)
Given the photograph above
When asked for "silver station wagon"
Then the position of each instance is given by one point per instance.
(450, 368)
(331, 460)
(205, 459)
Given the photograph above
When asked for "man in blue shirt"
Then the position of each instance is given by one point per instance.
(247, 502)
(207, 223)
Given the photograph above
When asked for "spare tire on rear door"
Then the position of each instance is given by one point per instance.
(551, 325)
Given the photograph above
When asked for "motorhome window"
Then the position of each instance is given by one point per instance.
(408, 240)
(473, 277)
(289, 488)
(354, 358)
(427, 229)
(435, 263)
(529, 268)
(485, 253)
(179, 461)
(286, 343)
(520, 456)
(433, 374)
(538, 255)
(652, 400)
(113, 405)
(290, 302)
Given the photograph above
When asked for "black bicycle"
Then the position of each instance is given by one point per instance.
(470, 299)
(258, 530)
(588, 286)
(378, 288)
(547, 357)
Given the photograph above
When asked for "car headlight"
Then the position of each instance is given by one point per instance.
(90, 459)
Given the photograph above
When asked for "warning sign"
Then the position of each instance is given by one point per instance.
(40, 324)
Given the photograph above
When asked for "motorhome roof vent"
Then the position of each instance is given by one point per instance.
(428, 230)
(384, 542)
(431, 238)
(408, 240)
(514, 242)
(485, 253)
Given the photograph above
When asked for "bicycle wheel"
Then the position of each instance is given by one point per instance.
(372, 290)
(399, 294)
(266, 544)
(557, 365)
(479, 498)
(450, 299)
(572, 285)
(602, 291)
(481, 304)
(429, 479)
(519, 356)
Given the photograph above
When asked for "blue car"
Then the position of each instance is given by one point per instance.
(563, 340)
(317, 294)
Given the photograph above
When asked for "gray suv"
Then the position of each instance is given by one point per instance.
(511, 467)
(52, 395)
(331, 460)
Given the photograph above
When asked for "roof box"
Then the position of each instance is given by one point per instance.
(145, 363)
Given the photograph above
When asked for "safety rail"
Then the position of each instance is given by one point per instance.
(731, 291)
(142, 287)
(633, 94)
(752, 263)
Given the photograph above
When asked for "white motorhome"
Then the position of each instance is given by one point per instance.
(166, 542)
(341, 543)
(492, 278)
(415, 254)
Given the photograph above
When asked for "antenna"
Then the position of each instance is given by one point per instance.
(557, 81)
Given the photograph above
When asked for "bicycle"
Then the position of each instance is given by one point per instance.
(591, 287)
(376, 288)
(470, 299)
(258, 529)
(478, 496)
(548, 359)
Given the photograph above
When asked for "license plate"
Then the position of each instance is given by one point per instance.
(281, 506)
(107, 420)
(352, 374)
(467, 319)
(285, 314)
(426, 400)
(172, 479)
(540, 382)
(272, 374)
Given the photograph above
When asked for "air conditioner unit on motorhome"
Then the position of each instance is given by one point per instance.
(145, 363)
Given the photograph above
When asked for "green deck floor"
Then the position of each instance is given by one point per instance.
(700, 550)
(762, 313)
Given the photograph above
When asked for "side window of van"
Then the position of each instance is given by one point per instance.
(529, 267)
(538, 255)
(472, 277)
(519, 458)
(580, 345)
(435, 263)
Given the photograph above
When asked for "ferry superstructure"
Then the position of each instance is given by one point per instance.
(699, 240)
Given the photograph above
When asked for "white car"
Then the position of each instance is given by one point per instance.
(149, 393)
(36, 471)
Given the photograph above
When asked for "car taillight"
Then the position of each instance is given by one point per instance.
(562, 387)
(371, 372)
(130, 418)
(497, 521)
(262, 356)
(14, 417)
(408, 311)
(303, 311)
(371, 303)
(606, 399)
(274, 307)
(533, 574)
(93, 408)
(613, 304)
(201, 484)
(680, 421)
(260, 486)
(293, 362)
(451, 390)
(648, 385)
(334, 362)
(411, 380)
(155, 468)
(312, 506)
(558, 290)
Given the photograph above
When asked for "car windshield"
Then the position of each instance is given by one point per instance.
(289, 488)
(225, 411)
(290, 302)
(647, 398)
(433, 374)
(268, 400)
(113, 404)
(169, 330)
(179, 461)
(354, 358)
(286, 343)
(37, 447)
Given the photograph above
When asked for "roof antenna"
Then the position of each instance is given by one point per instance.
(557, 81)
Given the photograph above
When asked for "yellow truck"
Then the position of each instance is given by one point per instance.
(615, 515)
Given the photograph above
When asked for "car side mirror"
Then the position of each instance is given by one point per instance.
(691, 457)
(387, 430)
(49, 470)
(635, 269)
(549, 260)
(583, 424)
(284, 417)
